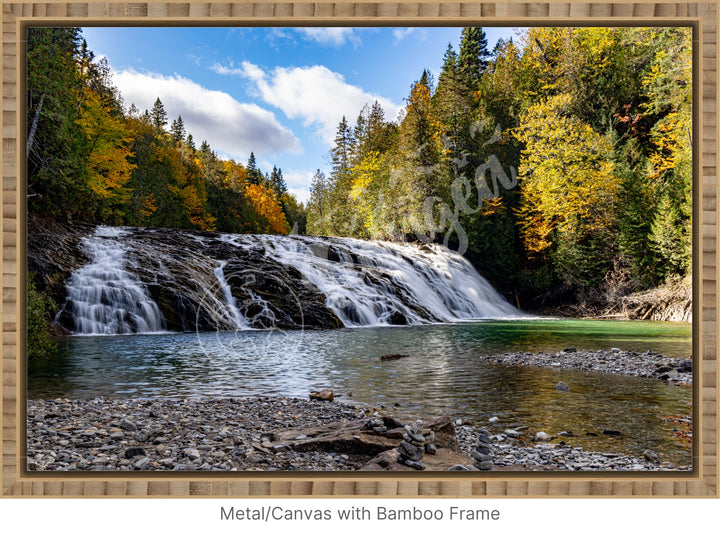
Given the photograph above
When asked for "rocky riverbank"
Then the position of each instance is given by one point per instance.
(648, 364)
(273, 434)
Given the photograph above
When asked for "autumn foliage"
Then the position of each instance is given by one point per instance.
(90, 158)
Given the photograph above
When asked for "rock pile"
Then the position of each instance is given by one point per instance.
(417, 441)
(482, 454)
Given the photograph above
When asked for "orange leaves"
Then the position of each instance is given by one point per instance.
(268, 208)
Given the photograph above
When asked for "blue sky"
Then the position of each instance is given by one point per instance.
(279, 92)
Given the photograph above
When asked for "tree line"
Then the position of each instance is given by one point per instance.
(91, 158)
(560, 162)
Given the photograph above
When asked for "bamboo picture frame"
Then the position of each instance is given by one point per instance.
(702, 481)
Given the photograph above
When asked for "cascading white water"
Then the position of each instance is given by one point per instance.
(363, 283)
(374, 283)
(104, 297)
(229, 307)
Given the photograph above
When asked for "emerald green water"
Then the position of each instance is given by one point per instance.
(445, 374)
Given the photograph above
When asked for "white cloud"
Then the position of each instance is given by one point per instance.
(301, 194)
(231, 127)
(329, 36)
(316, 95)
(401, 33)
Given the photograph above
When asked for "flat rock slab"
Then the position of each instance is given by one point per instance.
(352, 438)
(338, 437)
(440, 462)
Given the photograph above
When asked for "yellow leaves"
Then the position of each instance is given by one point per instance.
(108, 140)
(194, 207)
(567, 182)
(266, 205)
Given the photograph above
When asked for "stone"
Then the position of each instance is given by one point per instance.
(511, 433)
(134, 451)
(339, 437)
(410, 451)
(127, 425)
(142, 464)
(562, 387)
(394, 356)
(494, 420)
(322, 395)
(611, 432)
(192, 454)
(417, 465)
(481, 456)
(542, 436)
(430, 449)
(458, 468)
(484, 465)
(651, 456)
(445, 434)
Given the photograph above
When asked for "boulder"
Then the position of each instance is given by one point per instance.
(337, 437)
(445, 436)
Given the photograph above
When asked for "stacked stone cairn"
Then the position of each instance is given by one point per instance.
(482, 454)
(416, 442)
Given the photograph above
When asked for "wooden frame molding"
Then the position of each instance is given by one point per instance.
(702, 481)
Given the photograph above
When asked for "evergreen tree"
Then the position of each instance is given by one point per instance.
(474, 56)
(177, 131)
(254, 175)
(158, 115)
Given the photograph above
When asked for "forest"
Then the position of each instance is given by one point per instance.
(559, 163)
(92, 157)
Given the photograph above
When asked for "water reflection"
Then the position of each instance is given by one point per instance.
(444, 374)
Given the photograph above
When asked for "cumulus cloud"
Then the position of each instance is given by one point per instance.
(329, 36)
(316, 95)
(231, 127)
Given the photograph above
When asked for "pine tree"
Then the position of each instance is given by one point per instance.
(254, 175)
(158, 115)
(277, 182)
(177, 131)
(474, 56)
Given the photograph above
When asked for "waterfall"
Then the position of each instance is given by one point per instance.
(211, 281)
(233, 314)
(380, 283)
(104, 297)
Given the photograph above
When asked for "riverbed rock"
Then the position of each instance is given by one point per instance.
(562, 387)
(323, 395)
(338, 437)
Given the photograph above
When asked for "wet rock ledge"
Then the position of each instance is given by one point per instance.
(281, 434)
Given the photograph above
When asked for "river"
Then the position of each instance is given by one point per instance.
(445, 373)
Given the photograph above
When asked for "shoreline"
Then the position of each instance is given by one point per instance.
(240, 434)
(673, 370)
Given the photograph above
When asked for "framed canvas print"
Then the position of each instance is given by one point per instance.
(270, 249)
